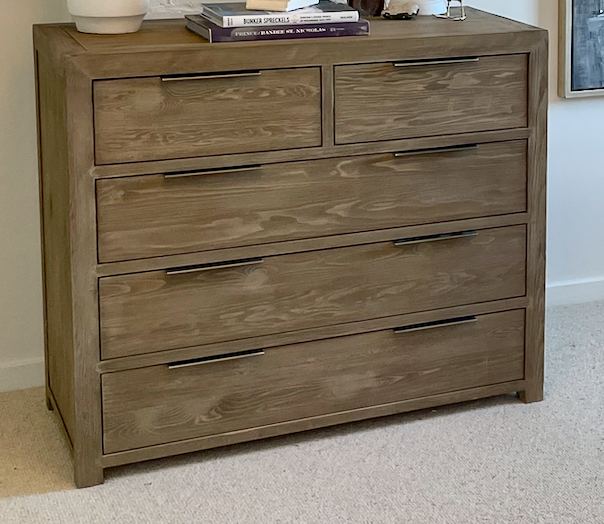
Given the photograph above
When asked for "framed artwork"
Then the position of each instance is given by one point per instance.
(581, 67)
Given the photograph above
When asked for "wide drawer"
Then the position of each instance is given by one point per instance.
(166, 403)
(155, 215)
(158, 118)
(161, 310)
(388, 101)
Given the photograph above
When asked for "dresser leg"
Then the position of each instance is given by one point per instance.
(88, 475)
(531, 395)
(49, 403)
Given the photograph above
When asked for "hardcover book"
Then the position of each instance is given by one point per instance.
(214, 33)
(235, 14)
(278, 5)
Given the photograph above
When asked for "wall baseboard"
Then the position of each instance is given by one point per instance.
(24, 374)
(21, 374)
(575, 292)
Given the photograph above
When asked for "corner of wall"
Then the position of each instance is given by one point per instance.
(575, 292)
(22, 374)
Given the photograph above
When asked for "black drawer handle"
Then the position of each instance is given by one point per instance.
(435, 150)
(210, 76)
(218, 358)
(214, 266)
(432, 325)
(445, 61)
(214, 171)
(435, 238)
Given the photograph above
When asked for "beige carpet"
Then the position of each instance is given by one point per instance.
(34, 457)
(491, 461)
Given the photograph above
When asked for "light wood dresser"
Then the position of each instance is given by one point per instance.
(247, 240)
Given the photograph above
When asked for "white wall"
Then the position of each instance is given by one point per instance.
(575, 269)
(166, 8)
(21, 338)
(576, 182)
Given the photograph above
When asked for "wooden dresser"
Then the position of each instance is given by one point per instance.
(248, 240)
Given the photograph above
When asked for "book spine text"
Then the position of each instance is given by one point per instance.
(240, 34)
(287, 19)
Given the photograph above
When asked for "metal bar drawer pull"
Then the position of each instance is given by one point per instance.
(219, 358)
(435, 150)
(215, 266)
(210, 76)
(215, 171)
(435, 238)
(436, 324)
(444, 61)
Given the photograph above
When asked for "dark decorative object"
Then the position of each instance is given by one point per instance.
(367, 7)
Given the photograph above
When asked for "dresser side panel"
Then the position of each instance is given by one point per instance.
(54, 188)
(537, 196)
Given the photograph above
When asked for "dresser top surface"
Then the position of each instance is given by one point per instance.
(166, 35)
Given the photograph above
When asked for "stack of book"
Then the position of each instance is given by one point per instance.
(235, 22)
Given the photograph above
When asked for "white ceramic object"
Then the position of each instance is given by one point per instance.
(108, 17)
(432, 7)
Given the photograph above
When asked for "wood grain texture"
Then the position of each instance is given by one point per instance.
(327, 108)
(171, 36)
(84, 282)
(313, 282)
(157, 405)
(269, 55)
(166, 47)
(55, 234)
(307, 335)
(65, 127)
(146, 119)
(141, 217)
(308, 244)
(308, 424)
(153, 311)
(536, 263)
(295, 155)
(383, 102)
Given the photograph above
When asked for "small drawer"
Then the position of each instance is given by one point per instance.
(159, 118)
(160, 310)
(158, 215)
(388, 101)
(167, 403)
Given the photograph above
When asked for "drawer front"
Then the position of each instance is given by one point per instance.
(152, 118)
(160, 404)
(156, 215)
(161, 310)
(385, 102)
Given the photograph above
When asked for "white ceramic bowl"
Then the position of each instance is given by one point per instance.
(108, 16)
(432, 7)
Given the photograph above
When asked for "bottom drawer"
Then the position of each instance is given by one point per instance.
(166, 403)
